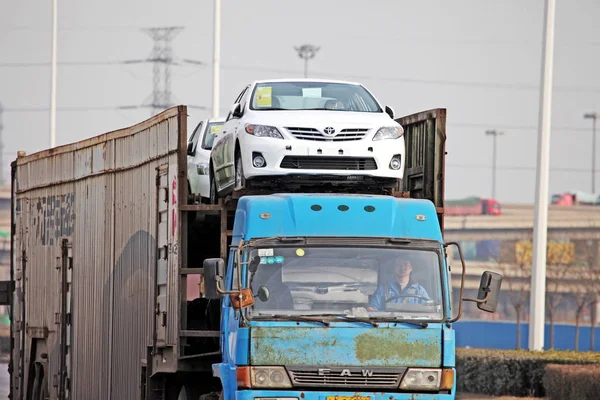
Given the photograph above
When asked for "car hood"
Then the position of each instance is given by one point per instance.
(320, 119)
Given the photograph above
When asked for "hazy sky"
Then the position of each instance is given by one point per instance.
(480, 59)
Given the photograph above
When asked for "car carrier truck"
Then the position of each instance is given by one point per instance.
(106, 240)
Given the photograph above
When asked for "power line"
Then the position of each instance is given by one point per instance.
(91, 108)
(475, 84)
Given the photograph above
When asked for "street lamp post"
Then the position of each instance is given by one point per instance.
(593, 117)
(495, 134)
(540, 229)
(307, 52)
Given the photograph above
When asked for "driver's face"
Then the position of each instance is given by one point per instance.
(402, 268)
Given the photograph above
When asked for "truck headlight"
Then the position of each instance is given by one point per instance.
(263, 377)
(421, 379)
(389, 132)
(263, 131)
(202, 169)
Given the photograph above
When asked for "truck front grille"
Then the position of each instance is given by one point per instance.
(331, 163)
(352, 377)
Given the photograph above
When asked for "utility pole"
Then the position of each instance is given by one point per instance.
(593, 116)
(537, 300)
(53, 76)
(495, 134)
(1, 148)
(162, 54)
(216, 58)
(307, 52)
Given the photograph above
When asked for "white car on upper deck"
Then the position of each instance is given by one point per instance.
(198, 154)
(299, 130)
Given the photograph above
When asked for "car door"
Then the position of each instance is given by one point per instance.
(224, 148)
(193, 177)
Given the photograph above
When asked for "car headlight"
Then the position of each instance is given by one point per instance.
(389, 132)
(202, 169)
(263, 131)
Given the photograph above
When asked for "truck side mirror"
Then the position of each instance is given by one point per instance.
(254, 263)
(489, 291)
(6, 289)
(214, 269)
(190, 149)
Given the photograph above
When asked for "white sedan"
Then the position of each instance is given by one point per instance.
(306, 130)
(198, 155)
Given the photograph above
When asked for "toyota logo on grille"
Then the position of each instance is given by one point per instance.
(329, 130)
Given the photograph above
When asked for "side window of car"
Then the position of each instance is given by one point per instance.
(244, 98)
(237, 100)
(196, 134)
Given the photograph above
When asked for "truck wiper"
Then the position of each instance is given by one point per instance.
(419, 324)
(351, 318)
(295, 318)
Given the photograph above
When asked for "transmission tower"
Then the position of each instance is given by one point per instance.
(162, 57)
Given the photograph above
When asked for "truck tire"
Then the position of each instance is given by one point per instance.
(188, 392)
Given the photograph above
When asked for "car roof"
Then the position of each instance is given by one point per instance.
(305, 80)
(219, 119)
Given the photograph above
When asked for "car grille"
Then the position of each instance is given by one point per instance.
(344, 135)
(382, 378)
(331, 163)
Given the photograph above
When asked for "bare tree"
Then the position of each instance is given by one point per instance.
(516, 278)
(555, 275)
(581, 291)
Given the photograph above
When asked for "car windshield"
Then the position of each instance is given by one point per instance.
(375, 283)
(312, 96)
(209, 137)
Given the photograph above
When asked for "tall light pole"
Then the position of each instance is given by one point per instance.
(495, 134)
(593, 116)
(53, 78)
(216, 58)
(307, 52)
(540, 229)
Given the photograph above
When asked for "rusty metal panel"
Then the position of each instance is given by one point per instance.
(100, 194)
(424, 171)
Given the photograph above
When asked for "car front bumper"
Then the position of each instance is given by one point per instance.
(306, 157)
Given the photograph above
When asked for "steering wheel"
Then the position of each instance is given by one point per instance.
(408, 295)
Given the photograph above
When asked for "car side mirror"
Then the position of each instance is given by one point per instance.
(236, 112)
(214, 269)
(6, 289)
(489, 291)
(190, 149)
(389, 111)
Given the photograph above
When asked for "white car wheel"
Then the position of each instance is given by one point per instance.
(214, 198)
(240, 180)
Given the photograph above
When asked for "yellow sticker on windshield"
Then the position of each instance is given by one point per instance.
(263, 96)
(299, 252)
(216, 129)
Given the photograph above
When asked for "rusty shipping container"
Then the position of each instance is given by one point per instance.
(96, 262)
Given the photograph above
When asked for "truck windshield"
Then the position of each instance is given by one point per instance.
(375, 283)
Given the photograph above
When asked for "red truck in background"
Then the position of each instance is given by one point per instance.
(472, 206)
(575, 199)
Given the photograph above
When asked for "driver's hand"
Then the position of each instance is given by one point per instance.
(359, 312)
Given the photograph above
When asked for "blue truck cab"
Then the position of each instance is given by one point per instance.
(342, 296)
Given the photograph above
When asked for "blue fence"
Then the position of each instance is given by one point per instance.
(503, 335)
